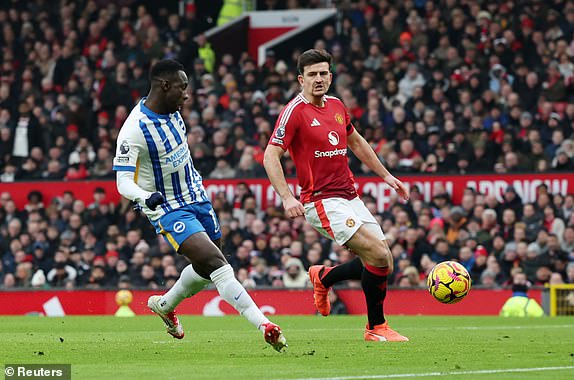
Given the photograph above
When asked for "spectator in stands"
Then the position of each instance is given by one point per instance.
(337, 305)
(295, 275)
(260, 273)
(480, 258)
(488, 279)
(570, 273)
(62, 272)
(567, 243)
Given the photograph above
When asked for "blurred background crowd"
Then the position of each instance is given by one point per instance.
(451, 86)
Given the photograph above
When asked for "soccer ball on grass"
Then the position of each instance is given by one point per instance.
(449, 282)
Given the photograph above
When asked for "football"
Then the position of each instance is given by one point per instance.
(449, 282)
(124, 297)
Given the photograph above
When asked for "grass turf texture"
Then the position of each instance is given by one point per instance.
(230, 348)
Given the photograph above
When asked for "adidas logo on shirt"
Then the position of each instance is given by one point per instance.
(315, 123)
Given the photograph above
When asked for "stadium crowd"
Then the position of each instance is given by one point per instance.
(436, 87)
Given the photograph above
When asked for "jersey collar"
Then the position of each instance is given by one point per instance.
(149, 113)
(306, 101)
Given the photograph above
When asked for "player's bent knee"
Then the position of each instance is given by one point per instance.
(207, 266)
(376, 259)
(214, 262)
(380, 255)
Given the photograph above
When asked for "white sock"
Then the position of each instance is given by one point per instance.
(188, 284)
(231, 291)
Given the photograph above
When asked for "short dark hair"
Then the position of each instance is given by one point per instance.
(35, 195)
(311, 57)
(163, 67)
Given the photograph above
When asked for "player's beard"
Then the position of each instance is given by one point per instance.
(318, 92)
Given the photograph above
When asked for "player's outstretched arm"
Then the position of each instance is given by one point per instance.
(129, 189)
(272, 164)
(365, 153)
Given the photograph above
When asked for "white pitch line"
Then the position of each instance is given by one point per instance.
(506, 327)
(434, 374)
(467, 328)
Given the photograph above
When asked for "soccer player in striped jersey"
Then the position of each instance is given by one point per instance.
(316, 130)
(155, 170)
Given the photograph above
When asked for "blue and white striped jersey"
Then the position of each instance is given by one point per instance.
(154, 147)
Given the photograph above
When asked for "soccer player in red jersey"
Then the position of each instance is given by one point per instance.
(316, 130)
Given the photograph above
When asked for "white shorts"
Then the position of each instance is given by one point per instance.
(338, 219)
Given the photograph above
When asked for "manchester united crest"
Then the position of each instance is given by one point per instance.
(340, 119)
(350, 223)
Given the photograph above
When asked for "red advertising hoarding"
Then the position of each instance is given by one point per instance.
(273, 302)
(525, 185)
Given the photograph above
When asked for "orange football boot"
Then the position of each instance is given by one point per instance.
(383, 333)
(320, 292)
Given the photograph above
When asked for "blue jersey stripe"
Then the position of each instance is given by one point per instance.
(177, 188)
(162, 135)
(197, 181)
(189, 183)
(175, 132)
(156, 164)
(124, 168)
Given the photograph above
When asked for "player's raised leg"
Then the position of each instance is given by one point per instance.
(323, 278)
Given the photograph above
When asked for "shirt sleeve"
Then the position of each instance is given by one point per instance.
(129, 146)
(285, 127)
(350, 127)
(128, 188)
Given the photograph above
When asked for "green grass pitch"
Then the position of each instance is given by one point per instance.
(319, 348)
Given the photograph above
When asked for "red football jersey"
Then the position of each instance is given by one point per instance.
(316, 138)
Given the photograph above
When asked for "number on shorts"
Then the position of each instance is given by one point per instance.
(214, 217)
